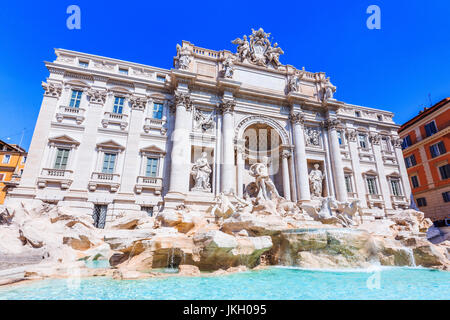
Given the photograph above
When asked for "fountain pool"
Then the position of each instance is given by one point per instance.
(279, 283)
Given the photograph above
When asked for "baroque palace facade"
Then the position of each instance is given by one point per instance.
(114, 136)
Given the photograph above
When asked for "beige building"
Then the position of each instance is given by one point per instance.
(114, 136)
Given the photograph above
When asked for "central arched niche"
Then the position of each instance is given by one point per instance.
(260, 139)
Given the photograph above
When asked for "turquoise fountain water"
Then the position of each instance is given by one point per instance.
(273, 283)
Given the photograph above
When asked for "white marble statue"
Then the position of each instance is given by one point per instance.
(201, 172)
(183, 57)
(266, 188)
(243, 49)
(228, 68)
(315, 180)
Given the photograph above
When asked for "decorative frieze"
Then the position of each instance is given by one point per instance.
(351, 135)
(312, 137)
(138, 103)
(203, 121)
(375, 139)
(96, 96)
(52, 90)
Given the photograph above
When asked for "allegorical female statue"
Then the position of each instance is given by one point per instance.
(201, 172)
(315, 181)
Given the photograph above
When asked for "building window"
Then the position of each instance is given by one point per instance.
(358, 114)
(406, 142)
(118, 105)
(149, 210)
(395, 186)
(109, 161)
(362, 141)
(123, 71)
(421, 202)
(21, 172)
(444, 171)
(83, 64)
(6, 158)
(410, 161)
(24, 159)
(75, 99)
(415, 181)
(446, 196)
(380, 117)
(430, 128)
(157, 110)
(161, 78)
(348, 183)
(62, 156)
(437, 149)
(372, 185)
(151, 169)
(2, 176)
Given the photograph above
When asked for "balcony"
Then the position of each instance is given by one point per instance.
(65, 112)
(399, 202)
(375, 200)
(115, 119)
(150, 183)
(111, 180)
(55, 176)
(152, 124)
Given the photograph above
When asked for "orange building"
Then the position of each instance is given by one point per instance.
(12, 162)
(426, 149)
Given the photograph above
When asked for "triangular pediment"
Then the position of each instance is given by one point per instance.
(110, 144)
(370, 172)
(393, 174)
(152, 149)
(64, 139)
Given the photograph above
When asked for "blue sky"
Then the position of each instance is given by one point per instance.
(395, 68)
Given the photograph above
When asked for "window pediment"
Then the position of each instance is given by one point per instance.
(370, 172)
(153, 149)
(64, 139)
(110, 144)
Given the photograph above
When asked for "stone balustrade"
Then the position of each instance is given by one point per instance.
(150, 183)
(111, 180)
(117, 119)
(155, 124)
(78, 114)
(61, 176)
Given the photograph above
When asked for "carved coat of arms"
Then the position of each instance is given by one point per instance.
(259, 49)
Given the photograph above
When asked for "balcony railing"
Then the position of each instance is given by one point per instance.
(104, 179)
(61, 176)
(155, 124)
(120, 119)
(70, 113)
(144, 182)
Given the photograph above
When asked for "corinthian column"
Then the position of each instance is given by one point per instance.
(286, 181)
(336, 159)
(300, 156)
(180, 159)
(228, 171)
